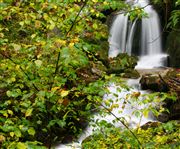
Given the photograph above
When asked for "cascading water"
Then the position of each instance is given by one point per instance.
(126, 110)
(150, 45)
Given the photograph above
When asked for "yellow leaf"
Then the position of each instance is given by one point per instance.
(5, 114)
(60, 101)
(64, 93)
(2, 138)
(178, 75)
(16, 46)
(55, 88)
(17, 67)
(13, 79)
(33, 35)
(136, 94)
(45, 16)
(1, 35)
(10, 112)
(71, 45)
(37, 24)
(11, 134)
(92, 10)
(28, 112)
(60, 42)
(146, 113)
(21, 23)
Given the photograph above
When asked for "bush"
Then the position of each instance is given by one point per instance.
(42, 46)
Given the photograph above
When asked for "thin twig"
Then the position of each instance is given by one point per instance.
(74, 22)
(122, 124)
(123, 12)
(70, 29)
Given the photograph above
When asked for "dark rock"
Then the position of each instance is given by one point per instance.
(150, 125)
(95, 71)
(175, 111)
(123, 65)
(153, 82)
(167, 80)
(173, 48)
(131, 73)
(163, 117)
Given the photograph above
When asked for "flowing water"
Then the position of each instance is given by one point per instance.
(121, 40)
(125, 110)
(122, 37)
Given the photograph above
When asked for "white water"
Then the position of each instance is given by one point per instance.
(118, 33)
(150, 44)
(125, 112)
(151, 61)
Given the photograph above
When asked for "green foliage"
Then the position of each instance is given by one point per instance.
(122, 61)
(42, 46)
(171, 7)
(175, 15)
(156, 135)
(106, 135)
(151, 135)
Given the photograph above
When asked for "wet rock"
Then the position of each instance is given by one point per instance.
(95, 71)
(163, 117)
(150, 125)
(175, 111)
(131, 73)
(123, 65)
(153, 82)
(163, 81)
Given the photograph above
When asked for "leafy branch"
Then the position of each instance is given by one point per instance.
(70, 29)
(122, 124)
(28, 77)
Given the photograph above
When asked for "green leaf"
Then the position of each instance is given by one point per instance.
(145, 113)
(18, 133)
(21, 145)
(95, 26)
(31, 131)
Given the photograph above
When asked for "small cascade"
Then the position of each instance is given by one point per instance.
(123, 33)
(126, 110)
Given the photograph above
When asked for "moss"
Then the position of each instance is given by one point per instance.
(173, 48)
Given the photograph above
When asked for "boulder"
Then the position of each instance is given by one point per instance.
(153, 82)
(164, 81)
(123, 65)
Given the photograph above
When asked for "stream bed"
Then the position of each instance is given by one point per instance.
(126, 108)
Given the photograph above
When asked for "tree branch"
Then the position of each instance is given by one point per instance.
(70, 29)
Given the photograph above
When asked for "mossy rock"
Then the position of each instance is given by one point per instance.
(123, 65)
(173, 49)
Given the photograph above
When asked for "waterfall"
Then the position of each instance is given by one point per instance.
(117, 41)
(122, 34)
